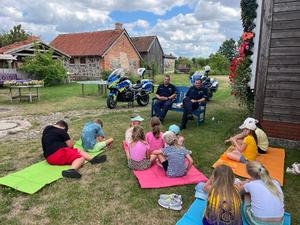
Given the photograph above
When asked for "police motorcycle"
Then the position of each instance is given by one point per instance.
(209, 83)
(122, 90)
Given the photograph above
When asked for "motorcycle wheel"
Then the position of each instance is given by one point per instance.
(111, 102)
(143, 100)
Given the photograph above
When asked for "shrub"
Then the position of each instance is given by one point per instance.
(43, 67)
(105, 74)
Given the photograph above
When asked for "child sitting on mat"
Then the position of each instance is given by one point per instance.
(172, 157)
(135, 120)
(264, 205)
(154, 138)
(224, 203)
(138, 154)
(246, 149)
(92, 136)
(58, 150)
(262, 138)
(176, 130)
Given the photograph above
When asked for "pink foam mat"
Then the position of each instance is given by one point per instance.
(155, 177)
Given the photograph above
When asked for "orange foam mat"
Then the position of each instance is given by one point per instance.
(273, 162)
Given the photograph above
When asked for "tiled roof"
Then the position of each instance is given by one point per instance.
(86, 44)
(19, 44)
(143, 43)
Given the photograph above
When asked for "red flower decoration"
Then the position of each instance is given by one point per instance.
(246, 36)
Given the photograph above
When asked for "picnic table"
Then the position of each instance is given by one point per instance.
(30, 95)
(102, 85)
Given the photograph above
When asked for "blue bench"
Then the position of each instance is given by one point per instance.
(180, 94)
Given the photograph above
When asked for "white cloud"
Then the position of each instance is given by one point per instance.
(198, 33)
(211, 10)
(139, 24)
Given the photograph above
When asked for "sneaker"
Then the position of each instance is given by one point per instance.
(291, 170)
(71, 173)
(176, 197)
(98, 159)
(296, 167)
(295, 164)
(190, 152)
(170, 203)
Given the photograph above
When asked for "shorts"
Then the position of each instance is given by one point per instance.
(97, 147)
(243, 159)
(139, 165)
(64, 156)
(253, 220)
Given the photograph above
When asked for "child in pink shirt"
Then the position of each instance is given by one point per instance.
(154, 138)
(138, 154)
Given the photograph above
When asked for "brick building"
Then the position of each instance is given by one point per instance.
(94, 52)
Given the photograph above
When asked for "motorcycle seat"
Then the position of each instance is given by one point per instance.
(137, 86)
(122, 79)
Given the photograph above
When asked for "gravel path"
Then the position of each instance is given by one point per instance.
(38, 122)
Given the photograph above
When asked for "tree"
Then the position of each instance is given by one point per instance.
(14, 35)
(43, 67)
(219, 64)
(228, 49)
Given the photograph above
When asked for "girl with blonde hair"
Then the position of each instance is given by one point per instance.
(154, 138)
(223, 205)
(266, 204)
(138, 152)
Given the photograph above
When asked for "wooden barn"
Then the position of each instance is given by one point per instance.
(151, 51)
(277, 77)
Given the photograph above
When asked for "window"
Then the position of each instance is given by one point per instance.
(82, 60)
(72, 61)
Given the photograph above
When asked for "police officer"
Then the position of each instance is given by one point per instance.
(194, 96)
(165, 94)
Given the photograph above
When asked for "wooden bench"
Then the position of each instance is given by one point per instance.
(180, 94)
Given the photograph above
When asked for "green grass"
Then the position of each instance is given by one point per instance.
(109, 193)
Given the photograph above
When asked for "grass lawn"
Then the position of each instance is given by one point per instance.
(108, 193)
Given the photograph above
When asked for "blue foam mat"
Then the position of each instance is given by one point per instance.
(194, 214)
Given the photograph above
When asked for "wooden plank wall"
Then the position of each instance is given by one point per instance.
(282, 85)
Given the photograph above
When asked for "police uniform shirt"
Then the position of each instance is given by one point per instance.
(196, 94)
(166, 91)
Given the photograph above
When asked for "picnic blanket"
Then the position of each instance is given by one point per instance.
(33, 178)
(273, 161)
(195, 213)
(155, 176)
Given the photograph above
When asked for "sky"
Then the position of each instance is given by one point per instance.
(191, 28)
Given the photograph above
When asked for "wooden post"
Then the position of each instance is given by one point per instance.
(82, 89)
(30, 95)
(20, 94)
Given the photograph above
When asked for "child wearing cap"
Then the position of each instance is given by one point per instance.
(262, 138)
(154, 138)
(247, 149)
(176, 130)
(173, 156)
(135, 120)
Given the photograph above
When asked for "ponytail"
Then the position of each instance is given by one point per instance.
(155, 124)
(156, 131)
(256, 170)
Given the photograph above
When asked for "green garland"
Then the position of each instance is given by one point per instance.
(240, 72)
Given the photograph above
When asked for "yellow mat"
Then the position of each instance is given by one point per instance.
(273, 161)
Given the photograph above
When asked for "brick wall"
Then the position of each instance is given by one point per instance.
(289, 131)
(122, 55)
